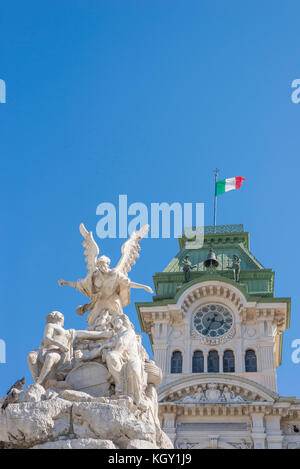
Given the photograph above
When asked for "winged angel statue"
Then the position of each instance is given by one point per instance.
(108, 289)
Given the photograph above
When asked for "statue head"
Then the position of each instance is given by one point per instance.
(117, 323)
(103, 264)
(104, 319)
(122, 321)
(55, 317)
(212, 386)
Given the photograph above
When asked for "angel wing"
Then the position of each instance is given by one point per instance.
(91, 251)
(130, 250)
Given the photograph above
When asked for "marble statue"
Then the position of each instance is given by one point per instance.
(93, 388)
(236, 267)
(124, 360)
(187, 266)
(199, 396)
(56, 349)
(108, 289)
(213, 393)
(230, 396)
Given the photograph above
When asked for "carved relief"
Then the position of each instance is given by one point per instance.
(291, 429)
(249, 331)
(213, 392)
(243, 445)
(213, 443)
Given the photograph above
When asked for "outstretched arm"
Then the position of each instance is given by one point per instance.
(81, 285)
(93, 335)
(65, 282)
(139, 285)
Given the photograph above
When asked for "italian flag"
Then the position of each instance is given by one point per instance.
(228, 185)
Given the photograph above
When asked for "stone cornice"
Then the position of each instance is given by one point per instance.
(228, 409)
(170, 314)
(212, 289)
(228, 234)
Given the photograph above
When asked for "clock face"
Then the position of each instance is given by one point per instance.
(213, 321)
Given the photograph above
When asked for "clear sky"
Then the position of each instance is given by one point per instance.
(144, 98)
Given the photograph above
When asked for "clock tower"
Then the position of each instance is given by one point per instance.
(216, 330)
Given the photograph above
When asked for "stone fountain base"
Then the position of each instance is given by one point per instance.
(76, 420)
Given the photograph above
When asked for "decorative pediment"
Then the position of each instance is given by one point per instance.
(215, 393)
(215, 388)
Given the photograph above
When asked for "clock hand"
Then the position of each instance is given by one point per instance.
(211, 321)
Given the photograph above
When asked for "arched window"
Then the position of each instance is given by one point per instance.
(228, 362)
(198, 362)
(213, 362)
(176, 362)
(250, 361)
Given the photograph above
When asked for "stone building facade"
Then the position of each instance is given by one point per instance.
(216, 330)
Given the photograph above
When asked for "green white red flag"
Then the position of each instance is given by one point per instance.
(228, 184)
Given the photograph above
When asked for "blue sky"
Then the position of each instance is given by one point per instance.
(143, 98)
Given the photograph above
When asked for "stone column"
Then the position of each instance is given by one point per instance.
(267, 362)
(169, 426)
(205, 355)
(160, 357)
(213, 441)
(243, 365)
(239, 358)
(186, 358)
(274, 434)
(221, 361)
(258, 430)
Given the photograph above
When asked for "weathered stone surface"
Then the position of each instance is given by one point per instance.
(57, 386)
(141, 444)
(33, 393)
(80, 443)
(164, 441)
(76, 396)
(60, 423)
(97, 420)
(28, 423)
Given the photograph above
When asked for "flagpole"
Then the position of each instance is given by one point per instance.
(215, 204)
